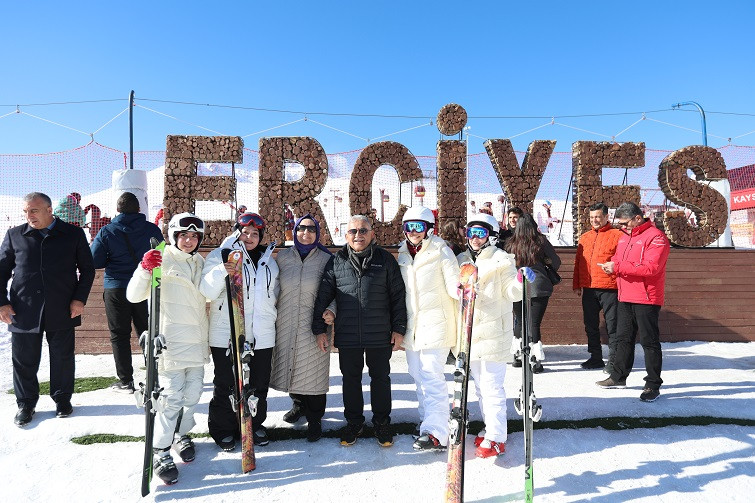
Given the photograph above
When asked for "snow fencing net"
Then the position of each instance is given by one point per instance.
(88, 170)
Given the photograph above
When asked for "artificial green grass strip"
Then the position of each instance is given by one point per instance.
(80, 385)
(608, 423)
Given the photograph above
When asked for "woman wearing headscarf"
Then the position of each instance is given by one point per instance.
(299, 367)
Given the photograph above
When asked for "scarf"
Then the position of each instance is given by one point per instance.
(305, 249)
(361, 260)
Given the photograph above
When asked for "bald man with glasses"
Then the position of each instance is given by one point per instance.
(370, 298)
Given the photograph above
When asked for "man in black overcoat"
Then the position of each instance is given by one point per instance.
(46, 296)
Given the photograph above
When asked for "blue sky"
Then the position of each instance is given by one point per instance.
(391, 58)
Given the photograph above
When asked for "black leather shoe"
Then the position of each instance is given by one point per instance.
(23, 416)
(63, 409)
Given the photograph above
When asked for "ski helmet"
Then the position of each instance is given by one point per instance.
(487, 221)
(419, 214)
(250, 219)
(185, 222)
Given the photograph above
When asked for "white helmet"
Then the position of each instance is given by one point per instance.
(487, 221)
(422, 214)
(185, 222)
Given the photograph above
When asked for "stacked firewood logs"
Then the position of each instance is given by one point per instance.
(520, 184)
(451, 119)
(360, 187)
(452, 181)
(275, 191)
(708, 205)
(182, 185)
(588, 160)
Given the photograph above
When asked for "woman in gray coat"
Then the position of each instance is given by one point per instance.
(299, 367)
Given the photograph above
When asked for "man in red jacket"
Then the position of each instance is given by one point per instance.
(640, 269)
(598, 291)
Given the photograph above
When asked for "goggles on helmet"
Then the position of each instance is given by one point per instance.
(477, 232)
(415, 226)
(253, 219)
(193, 224)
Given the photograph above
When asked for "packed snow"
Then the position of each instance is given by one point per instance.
(696, 463)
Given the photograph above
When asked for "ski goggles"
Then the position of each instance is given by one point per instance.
(253, 219)
(306, 228)
(477, 232)
(415, 226)
(193, 224)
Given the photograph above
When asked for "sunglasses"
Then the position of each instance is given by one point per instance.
(416, 226)
(362, 231)
(194, 224)
(477, 232)
(306, 228)
(253, 219)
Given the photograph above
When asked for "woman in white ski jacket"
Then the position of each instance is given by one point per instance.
(493, 328)
(183, 323)
(431, 275)
(260, 284)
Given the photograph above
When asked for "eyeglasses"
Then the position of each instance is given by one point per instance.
(306, 228)
(477, 232)
(194, 224)
(253, 219)
(362, 231)
(415, 226)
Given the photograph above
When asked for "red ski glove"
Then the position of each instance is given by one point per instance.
(151, 259)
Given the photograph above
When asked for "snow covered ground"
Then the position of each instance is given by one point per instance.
(696, 463)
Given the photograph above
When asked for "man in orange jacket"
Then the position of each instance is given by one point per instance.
(597, 289)
(639, 265)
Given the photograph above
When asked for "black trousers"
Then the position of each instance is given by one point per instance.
(120, 314)
(593, 301)
(351, 361)
(222, 420)
(26, 351)
(642, 320)
(312, 406)
(538, 305)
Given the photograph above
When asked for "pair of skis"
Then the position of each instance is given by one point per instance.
(149, 391)
(243, 401)
(526, 405)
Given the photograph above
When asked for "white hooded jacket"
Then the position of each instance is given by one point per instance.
(431, 281)
(183, 308)
(497, 289)
(260, 295)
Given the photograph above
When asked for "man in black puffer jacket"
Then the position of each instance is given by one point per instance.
(370, 296)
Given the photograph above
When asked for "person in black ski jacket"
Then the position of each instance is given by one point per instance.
(46, 296)
(366, 283)
(119, 247)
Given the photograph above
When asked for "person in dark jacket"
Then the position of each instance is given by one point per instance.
(366, 283)
(118, 247)
(532, 249)
(46, 296)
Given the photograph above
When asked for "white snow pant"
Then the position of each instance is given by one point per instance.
(426, 368)
(488, 380)
(181, 391)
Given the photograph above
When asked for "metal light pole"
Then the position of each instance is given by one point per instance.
(702, 117)
(382, 205)
(131, 130)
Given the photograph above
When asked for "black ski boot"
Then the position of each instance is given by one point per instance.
(186, 449)
(164, 466)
